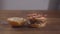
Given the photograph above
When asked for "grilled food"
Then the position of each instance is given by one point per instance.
(36, 20)
(16, 21)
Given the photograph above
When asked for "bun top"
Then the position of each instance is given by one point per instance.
(16, 19)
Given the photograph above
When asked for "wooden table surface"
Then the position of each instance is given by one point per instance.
(52, 27)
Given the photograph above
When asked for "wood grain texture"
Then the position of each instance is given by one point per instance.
(52, 27)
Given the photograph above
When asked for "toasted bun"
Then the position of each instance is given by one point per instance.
(16, 20)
